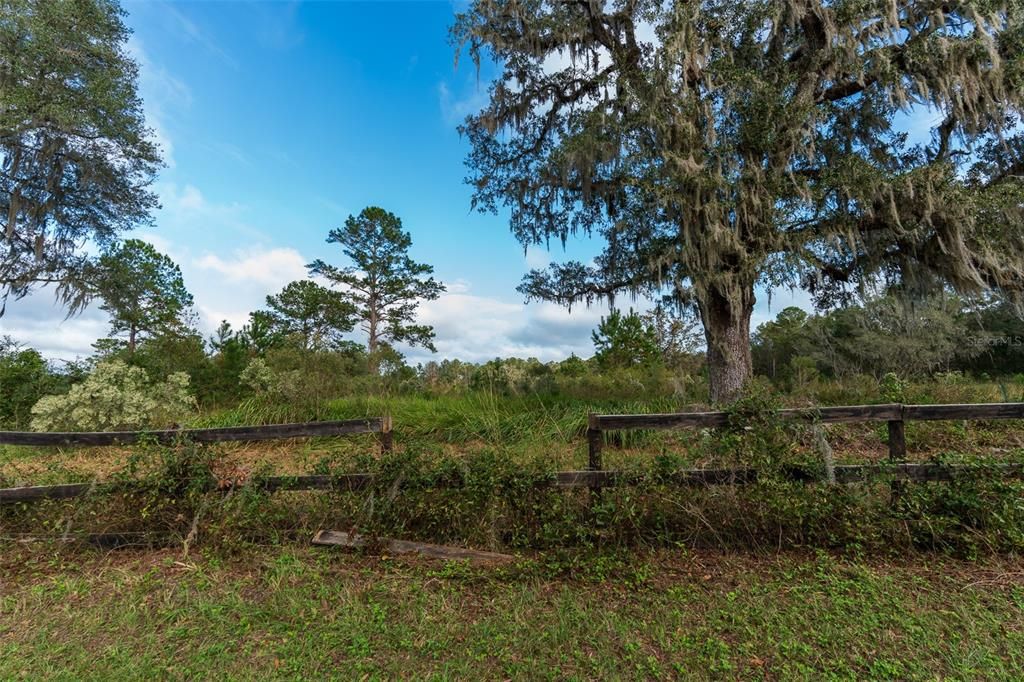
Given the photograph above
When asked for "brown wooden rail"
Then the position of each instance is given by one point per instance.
(594, 478)
(852, 473)
(381, 425)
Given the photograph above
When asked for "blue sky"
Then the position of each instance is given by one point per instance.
(278, 120)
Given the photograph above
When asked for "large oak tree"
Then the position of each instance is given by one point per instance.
(719, 145)
(76, 158)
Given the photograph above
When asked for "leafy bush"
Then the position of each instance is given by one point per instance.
(24, 379)
(259, 378)
(116, 397)
(893, 388)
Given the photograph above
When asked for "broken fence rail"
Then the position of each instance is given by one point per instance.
(849, 473)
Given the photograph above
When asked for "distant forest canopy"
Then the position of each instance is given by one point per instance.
(637, 355)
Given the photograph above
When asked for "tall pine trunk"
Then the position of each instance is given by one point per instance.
(373, 340)
(726, 318)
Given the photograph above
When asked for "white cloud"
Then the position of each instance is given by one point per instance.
(186, 206)
(469, 327)
(210, 318)
(186, 199)
(455, 108)
(230, 287)
(459, 286)
(271, 268)
(176, 201)
(537, 258)
(480, 328)
(40, 323)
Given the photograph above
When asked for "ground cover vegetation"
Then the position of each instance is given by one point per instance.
(501, 428)
(291, 612)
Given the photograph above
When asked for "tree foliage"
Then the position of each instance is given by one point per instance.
(76, 158)
(887, 334)
(261, 333)
(716, 145)
(25, 377)
(625, 341)
(677, 333)
(315, 315)
(777, 342)
(996, 334)
(142, 290)
(383, 284)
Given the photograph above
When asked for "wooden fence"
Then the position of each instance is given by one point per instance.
(327, 429)
(594, 478)
(895, 415)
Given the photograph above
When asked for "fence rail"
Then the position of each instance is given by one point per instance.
(844, 474)
(327, 429)
(894, 414)
(821, 415)
(594, 478)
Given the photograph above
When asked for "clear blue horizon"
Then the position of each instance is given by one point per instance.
(277, 121)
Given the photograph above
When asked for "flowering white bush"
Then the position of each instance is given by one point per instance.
(259, 378)
(116, 397)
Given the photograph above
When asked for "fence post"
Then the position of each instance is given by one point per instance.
(386, 436)
(897, 449)
(595, 441)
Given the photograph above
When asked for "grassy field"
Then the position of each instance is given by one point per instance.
(623, 589)
(294, 612)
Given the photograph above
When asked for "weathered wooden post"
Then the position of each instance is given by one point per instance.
(897, 449)
(595, 441)
(386, 436)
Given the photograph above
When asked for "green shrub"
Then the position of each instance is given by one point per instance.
(116, 397)
(259, 378)
(24, 379)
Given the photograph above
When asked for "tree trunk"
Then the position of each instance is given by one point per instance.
(373, 341)
(132, 332)
(727, 331)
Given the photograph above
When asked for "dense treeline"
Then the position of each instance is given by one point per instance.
(887, 334)
(271, 360)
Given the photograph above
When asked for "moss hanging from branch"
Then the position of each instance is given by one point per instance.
(718, 144)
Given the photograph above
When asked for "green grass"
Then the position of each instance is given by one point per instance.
(291, 613)
(254, 606)
(456, 418)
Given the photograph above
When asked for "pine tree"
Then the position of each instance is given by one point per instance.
(142, 290)
(383, 284)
